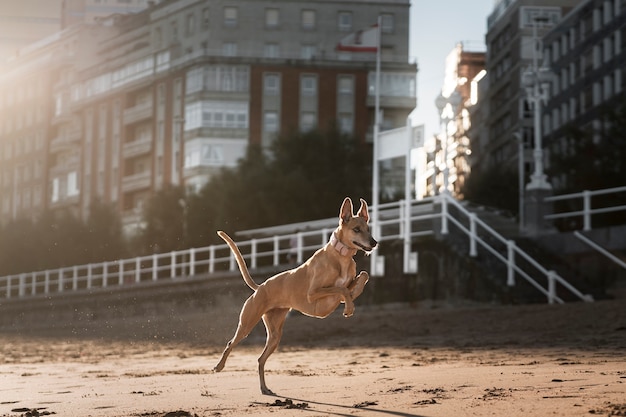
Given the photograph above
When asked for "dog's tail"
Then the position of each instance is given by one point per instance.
(240, 261)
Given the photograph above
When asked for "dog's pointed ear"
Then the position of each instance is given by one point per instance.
(363, 211)
(345, 214)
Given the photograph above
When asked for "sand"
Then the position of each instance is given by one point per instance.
(396, 360)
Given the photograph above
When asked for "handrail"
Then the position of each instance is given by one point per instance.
(512, 251)
(206, 261)
(587, 211)
(600, 249)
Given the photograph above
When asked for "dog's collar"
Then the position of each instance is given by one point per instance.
(340, 247)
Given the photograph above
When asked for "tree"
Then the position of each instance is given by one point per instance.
(164, 218)
(304, 176)
(104, 238)
(496, 186)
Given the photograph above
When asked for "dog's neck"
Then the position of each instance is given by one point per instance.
(340, 247)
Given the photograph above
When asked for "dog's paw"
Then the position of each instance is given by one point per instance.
(348, 311)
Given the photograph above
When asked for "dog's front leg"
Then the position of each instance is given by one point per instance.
(317, 296)
(357, 285)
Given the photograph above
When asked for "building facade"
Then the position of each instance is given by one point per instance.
(587, 55)
(451, 148)
(513, 29)
(170, 95)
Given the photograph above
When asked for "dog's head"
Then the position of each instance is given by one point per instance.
(354, 231)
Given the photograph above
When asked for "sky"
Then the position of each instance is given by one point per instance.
(435, 28)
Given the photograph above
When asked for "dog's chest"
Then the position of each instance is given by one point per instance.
(342, 281)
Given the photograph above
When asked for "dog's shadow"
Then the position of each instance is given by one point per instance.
(304, 407)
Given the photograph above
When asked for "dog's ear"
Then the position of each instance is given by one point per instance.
(345, 214)
(363, 211)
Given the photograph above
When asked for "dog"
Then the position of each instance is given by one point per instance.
(315, 288)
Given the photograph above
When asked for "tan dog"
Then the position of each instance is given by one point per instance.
(315, 288)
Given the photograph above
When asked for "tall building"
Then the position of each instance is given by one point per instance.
(452, 147)
(168, 96)
(25, 22)
(586, 52)
(512, 29)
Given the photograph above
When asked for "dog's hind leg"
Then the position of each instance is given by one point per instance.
(274, 321)
(248, 318)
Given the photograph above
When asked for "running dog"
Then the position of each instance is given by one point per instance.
(315, 288)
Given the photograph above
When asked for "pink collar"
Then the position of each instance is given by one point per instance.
(340, 247)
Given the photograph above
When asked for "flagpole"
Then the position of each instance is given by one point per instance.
(375, 172)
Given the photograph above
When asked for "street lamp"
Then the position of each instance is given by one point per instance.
(448, 109)
(537, 80)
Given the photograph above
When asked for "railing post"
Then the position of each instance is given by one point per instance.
(9, 286)
(253, 254)
(211, 259)
(33, 290)
(231, 258)
(89, 276)
(472, 252)
(586, 210)
(60, 279)
(510, 250)
(276, 260)
(173, 265)
(551, 287)
(22, 285)
(105, 274)
(46, 285)
(444, 213)
(300, 242)
(74, 278)
(137, 269)
(192, 261)
(120, 279)
(155, 266)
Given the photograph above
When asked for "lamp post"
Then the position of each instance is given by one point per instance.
(536, 80)
(448, 109)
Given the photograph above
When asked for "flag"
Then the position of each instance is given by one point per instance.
(360, 41)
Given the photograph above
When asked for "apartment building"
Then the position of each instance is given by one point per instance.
(512, 30)
(452, 147)
(172, 94)
(587, 55)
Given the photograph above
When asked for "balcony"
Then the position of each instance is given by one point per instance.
(137, 147)
(66, 140)
(141, 111)
(136, 182)
(65, 165)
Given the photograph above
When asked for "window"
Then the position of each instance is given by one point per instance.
(307, 51)
(271, 84)
(230, 16)
(271, 50)
(308, 85)
(344, 21)
(345, 85)
(308, 19)
(271, 18)
(345, 122)
(229, 49)
(307, 121)
(216, 114)
(174, 26)
(205, 18)
(387, 23)
(191, 25)
(270, 122)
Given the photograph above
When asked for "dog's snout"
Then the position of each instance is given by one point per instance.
(373, 242)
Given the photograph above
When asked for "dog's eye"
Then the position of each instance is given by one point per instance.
(357, 230)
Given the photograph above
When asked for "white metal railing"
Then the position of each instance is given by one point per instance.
(472, 228)
(587, 210)
(270, 251)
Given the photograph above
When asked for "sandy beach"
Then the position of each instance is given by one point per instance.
(394, 360)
